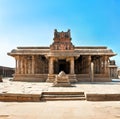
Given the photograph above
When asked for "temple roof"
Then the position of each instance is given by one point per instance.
(77, 51)
(62, 46)
(95, 51)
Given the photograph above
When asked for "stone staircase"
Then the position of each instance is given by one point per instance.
(59, 96)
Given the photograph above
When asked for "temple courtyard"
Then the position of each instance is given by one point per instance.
(19, 87)
(59, 109)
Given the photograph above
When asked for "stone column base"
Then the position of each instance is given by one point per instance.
(72, 78)
(51, 78)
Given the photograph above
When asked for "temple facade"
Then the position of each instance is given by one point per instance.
(79, 63)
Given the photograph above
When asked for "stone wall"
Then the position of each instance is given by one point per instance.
(6, 71)
(103, 97)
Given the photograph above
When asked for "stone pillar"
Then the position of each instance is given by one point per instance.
(97, 66)
(51, 67)
(16, 68)
(19, 65)
(106, 64)
(100, 65)
(51, 76)
(33, 64)
(72, 75)
(89, 63)
(72, 65)
(29, 67)
(25, 65)
(22, 64)
(92, 72)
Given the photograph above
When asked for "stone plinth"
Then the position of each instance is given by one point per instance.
(61, 80)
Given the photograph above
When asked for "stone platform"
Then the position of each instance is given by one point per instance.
(33, 90)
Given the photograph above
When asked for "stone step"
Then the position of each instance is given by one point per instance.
(62, 98)
(51, 96)
(62, 93)
(54, 96)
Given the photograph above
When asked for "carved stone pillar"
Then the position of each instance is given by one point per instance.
(72, 65)
(25, 65)
(97, 66)
(16, 65)
(51, 67)
(22, 65)
(100, 65)
(92, 72)
(89, 63)
(19, 65)
(51, 76)
(33, 64)
(106, 64)
(29, 67)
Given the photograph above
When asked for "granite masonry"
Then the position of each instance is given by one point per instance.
(80, 63)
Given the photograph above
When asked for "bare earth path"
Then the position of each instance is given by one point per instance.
(60, 110)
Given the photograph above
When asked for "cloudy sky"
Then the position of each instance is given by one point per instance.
(32, 23)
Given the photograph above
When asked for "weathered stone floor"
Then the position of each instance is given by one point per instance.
(37, 87)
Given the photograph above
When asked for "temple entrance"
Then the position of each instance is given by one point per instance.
(64, 66)
(61, 65)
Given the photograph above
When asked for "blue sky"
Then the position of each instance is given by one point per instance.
(32, 23)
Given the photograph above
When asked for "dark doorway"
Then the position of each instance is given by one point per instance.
(64, 66)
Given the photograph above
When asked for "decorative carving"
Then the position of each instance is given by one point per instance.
(61, 34)
(62, 41)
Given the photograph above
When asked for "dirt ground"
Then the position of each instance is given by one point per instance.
(60, 110)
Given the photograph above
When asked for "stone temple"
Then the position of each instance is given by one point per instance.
(79, 63)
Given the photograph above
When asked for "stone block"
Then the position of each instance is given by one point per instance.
(20, 97)
(103, 97)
